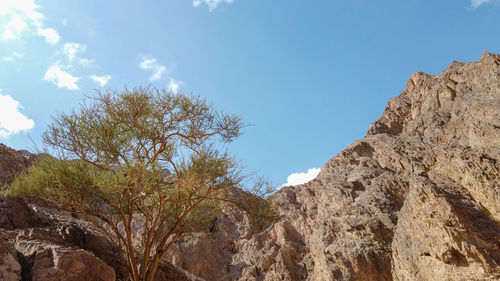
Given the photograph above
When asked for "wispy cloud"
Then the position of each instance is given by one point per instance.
(477, 3)
(14, 28)
(85, 62)
(51, 36)
(212, 4)
(101, 80)
(12, 121)
(23, 15)
(300, 178)
(61, 78)
(151, 63)
(13, 57)
(71, 49)
(174, 85)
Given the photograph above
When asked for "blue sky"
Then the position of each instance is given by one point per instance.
(309, 75)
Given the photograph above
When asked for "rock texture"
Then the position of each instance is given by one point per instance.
(418, 198)
(35, 246)
(12, 162)
(10, 268)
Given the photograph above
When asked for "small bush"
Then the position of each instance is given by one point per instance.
(58, 181)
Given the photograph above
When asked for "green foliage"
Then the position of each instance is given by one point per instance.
(59, 181)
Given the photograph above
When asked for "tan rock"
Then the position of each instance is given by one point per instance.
(52, 261)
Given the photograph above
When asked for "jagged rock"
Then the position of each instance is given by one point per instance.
(209, 255)
(10, 268)
(12, 162)
(14, 213)
(78, 233)
(44, 255)
(53, 262)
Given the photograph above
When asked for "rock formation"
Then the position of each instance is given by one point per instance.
(418, 198)
(12, 162)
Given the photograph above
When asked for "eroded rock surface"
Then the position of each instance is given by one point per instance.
(10, 268)
(12, 162)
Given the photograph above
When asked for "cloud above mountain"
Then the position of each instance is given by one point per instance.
(300, 178)
(12, 121)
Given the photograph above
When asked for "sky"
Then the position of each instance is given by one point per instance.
(309, 76)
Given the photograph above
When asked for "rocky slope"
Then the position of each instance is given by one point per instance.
(12, 162)
(418, 198)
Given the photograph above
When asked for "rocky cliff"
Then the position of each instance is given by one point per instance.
(418, 198)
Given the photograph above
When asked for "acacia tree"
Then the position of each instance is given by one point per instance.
(162, 164)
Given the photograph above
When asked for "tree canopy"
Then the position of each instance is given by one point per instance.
(143, 155)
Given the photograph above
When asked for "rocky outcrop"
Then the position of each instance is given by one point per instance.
(42, 249)
(10, 268)
(12, 162)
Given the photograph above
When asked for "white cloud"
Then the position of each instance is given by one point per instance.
(14, 56)
(150, 63)
(212, 4)
(14, 28)
(85, 62)
(300, 178)
(11, 120)
(101, 80)
(27, 7)
(61, 78)
(477, 3)
(174, 85)
(24, 15)
(51, 36)
(71, 49)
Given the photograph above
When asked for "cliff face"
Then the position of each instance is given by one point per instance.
(418, 198)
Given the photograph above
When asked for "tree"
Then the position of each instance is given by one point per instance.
(144, 155)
